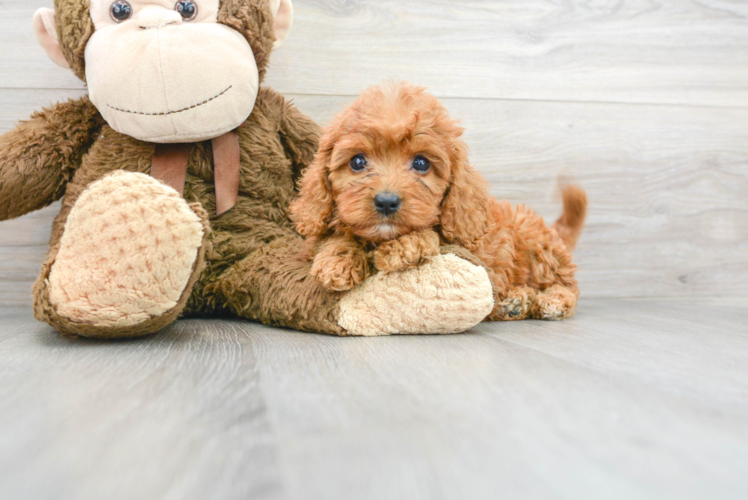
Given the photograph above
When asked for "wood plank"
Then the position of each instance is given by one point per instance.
(155, 419)
(647, 51)
(666, 184)
(609, 404)
(23, 63)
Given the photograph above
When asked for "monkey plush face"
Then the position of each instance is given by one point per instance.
(169, 71)
(164, 76)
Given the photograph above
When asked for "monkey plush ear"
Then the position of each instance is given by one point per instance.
(283, 10)
(46, 31)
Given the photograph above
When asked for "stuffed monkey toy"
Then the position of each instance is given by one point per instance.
(176, 172)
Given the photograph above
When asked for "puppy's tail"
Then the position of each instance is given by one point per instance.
(569, 226)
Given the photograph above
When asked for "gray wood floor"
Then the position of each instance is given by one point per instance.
(643, 102)
(631, 399)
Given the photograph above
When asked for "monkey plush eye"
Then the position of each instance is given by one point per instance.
(358, 163)
(421, 164)
(120, 11)
(188, 9)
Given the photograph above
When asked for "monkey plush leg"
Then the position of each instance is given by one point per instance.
(448, 294)
(126, 263)
(555, 303)
(274, 285)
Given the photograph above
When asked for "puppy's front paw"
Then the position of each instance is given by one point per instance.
(407, 251)
(340, 272)
(516, 305)
(555, 303)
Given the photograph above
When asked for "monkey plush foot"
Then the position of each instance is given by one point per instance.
(446, 295)
(127, 261)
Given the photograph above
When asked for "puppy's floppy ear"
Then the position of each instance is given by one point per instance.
(312, 210)
(465, 208)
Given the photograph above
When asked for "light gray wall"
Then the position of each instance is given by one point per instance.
(644, 102)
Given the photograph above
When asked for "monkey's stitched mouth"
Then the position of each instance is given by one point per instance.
(166, 113)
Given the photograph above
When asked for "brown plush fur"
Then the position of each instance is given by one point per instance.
(530, 264)
(248, 265)
(252, 269)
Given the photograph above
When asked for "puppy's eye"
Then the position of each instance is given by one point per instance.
(358, 163)
(421, 164)
(120, 11)
(187, 9)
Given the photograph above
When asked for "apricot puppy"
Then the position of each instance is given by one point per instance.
(391, 182)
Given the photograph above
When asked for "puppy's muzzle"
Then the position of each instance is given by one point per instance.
(387, 203)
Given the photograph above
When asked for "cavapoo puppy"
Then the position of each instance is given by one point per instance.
(392, 182)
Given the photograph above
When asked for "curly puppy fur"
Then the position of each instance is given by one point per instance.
(390, 126)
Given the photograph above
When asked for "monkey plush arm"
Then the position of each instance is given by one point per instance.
(40, 155)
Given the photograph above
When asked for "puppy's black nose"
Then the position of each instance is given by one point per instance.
(387, 203)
